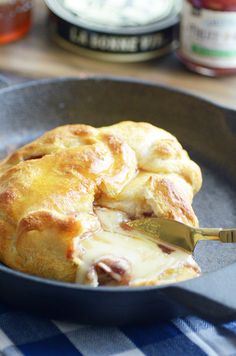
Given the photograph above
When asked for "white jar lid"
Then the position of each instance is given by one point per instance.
(118, 16)
(121, 13)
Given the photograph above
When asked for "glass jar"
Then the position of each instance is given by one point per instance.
(15, 19)
(116, 30)
(208, 36)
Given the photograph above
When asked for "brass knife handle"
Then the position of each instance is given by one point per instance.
(223, 235)
(228, 235)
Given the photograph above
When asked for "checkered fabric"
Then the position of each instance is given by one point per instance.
(24, 334)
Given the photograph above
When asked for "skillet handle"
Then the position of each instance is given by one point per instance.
(3, 82)
(7, 80)
(212, 296)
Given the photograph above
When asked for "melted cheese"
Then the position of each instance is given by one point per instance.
(149, 261)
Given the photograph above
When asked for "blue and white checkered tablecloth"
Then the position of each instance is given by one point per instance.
(24, 334)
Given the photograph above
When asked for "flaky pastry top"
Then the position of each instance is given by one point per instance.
(49, 190)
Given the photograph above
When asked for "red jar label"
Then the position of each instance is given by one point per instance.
(208, 37)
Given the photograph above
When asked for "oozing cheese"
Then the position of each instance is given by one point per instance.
(147, 261)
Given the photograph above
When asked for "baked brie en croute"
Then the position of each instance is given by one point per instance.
(65, 200)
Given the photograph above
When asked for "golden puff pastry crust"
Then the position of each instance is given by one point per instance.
(51, 191)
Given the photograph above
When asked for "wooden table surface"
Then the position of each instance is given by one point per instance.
(36, 56)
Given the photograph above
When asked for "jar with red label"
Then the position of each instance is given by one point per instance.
(208, 36)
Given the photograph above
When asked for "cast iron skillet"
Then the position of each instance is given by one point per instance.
(207, 130)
